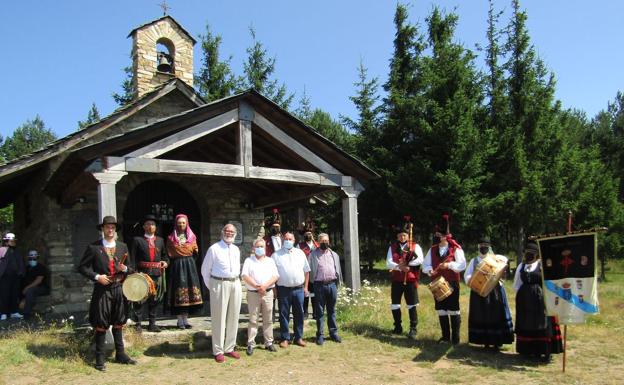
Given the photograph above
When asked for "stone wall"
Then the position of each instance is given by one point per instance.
(145, 55)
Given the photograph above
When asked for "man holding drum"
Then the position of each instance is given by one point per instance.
(103, 262)
(489, 318)
(404, 259)
(444, 261)
(150, 257)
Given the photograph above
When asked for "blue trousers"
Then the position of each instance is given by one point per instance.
(326, 295)
(290, 298)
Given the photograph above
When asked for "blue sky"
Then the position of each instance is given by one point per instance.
(58, 57)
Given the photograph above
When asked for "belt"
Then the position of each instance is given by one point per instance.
(149, 265)
(255, 291)
(326, 282)
(224, 279)
(293, 287)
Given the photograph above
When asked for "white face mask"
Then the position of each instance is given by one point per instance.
(32, 263)
(288, 244)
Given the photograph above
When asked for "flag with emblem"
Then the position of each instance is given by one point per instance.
(569, 271)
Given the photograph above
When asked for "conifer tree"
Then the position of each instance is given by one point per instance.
(92, 117)
(27, 138)
(258, 73)
(215, 79)
(128, 92)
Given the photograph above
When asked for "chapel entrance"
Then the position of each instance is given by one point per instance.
(163, 199)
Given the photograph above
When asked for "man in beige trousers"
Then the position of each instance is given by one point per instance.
(221, 271)
(260, 274)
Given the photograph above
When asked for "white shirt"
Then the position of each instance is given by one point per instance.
(390, 264)
(277, 242)
(457, 266)
(291, 267)
(260, 270)
(221, 260)
(529, 268)
(474, 263)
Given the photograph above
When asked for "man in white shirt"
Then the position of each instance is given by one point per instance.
(260, 274)
(292, 285)
(221, 270)
(446, 258)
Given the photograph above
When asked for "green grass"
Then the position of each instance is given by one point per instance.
(369, 353)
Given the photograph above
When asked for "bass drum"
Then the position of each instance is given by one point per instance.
(138, 287)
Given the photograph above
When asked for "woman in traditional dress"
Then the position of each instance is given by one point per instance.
(184, 293)
(536, 333)
(489, 318)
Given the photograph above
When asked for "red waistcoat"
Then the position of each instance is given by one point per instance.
(306, 248)
(448, 274)
(413, 273)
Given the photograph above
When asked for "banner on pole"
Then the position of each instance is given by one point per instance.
(569, 271)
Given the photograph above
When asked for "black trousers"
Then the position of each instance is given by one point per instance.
(407, 290)
(9, 293)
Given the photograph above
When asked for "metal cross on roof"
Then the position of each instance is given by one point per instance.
(164, 7)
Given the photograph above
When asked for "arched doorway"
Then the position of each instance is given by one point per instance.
(163, 199)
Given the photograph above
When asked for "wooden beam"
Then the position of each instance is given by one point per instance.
(271, 200)
(185, 136)
(294, 145)
(243, 145)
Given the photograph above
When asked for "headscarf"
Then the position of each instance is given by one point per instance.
(190, 235)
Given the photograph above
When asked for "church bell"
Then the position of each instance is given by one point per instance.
(164, 63)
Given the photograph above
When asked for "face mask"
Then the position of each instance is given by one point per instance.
(308, 238)
(288, 244)
(32, 263)
(275, 230)
(435, 240)
(259, 251)
(324, 246)
(484, 250)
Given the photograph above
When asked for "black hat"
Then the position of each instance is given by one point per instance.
(274, 219)
(107, 220)
(444, 225)
(532, 246)
(404, 226)
(150, 217)
(485, 239)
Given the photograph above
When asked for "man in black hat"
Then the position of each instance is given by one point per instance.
(150, 257)
(104, 263)
(446, 258)
(404, 259)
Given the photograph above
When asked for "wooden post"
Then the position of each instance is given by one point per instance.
(565, 327)
(107, 199)
(350, 237)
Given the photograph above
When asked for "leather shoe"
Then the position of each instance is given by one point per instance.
(220, 358)
(320, 340)
(123, 358)
(271, 348)
(300, 342)
(249, 350)
(100, 367)
(336, 338)
(154, 329)
(233, 354)
(283, 344)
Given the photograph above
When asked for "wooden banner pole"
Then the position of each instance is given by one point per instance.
(565, 327)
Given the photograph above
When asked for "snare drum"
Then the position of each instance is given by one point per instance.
(440, 288)
(138, 287)
(487, 274)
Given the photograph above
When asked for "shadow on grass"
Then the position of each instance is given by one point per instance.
(504, 360)
(199, 346)
(383, 335)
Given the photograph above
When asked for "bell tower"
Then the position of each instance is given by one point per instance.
(161, 50)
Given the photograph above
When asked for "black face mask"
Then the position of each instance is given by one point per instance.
(275, 230)
(435, 240)
(529, 257)
(324, 246)
(484, 249)
(308, 238)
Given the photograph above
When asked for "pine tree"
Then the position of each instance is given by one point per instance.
(258, 72)
(215, 79)
(27, 138)
(304, 111)
(366, 128)
(92, 117)
(128, 92)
